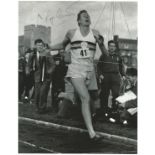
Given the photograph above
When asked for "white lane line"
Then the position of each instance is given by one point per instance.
(69, 128)
(38, 147)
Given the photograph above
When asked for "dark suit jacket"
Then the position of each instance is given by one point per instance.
(37, 69)
(110, 64)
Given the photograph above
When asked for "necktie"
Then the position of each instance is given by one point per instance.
(43, 62)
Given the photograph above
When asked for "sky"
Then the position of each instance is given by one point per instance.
(62, 15)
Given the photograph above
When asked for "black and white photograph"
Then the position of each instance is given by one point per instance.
(77, 77)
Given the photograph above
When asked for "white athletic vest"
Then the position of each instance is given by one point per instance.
(83, 48)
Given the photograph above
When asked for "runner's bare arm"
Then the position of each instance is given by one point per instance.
(63, 44)
(100, 40)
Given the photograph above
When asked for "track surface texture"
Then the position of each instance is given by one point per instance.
(47, 140)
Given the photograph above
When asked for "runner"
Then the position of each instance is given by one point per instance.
(81, 70)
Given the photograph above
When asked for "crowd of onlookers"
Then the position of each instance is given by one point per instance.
(114, 101)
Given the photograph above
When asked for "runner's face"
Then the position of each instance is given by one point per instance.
(84, 19)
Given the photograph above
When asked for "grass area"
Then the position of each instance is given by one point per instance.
(27, 110)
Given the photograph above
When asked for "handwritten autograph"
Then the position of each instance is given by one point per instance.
(60, 14)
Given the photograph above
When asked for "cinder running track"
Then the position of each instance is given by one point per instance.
(39, 139)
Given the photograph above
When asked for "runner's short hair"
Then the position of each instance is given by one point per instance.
(79, 14)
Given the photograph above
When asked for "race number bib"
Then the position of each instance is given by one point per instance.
(84, 52)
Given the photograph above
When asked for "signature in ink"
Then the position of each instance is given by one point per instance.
(59, 15)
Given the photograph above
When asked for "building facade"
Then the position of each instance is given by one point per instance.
(128, 50)
(21, 47)
(31, 33)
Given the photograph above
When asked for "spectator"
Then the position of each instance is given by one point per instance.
(29, 78)
(58, 83)
(110, 70)
(21, 76)
(42, 63)
(128, 109)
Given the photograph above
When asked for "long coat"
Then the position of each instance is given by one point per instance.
(36, 66)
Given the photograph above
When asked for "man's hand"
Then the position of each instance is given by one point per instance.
(101, 77)
(27, 72)
(123, 78)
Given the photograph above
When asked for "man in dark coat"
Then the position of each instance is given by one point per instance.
(29, 78)
(58, 83)
(21, 77)
(110, 70)
(43, 65)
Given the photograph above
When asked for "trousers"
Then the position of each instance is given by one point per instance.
(41, 93)
(111, 82)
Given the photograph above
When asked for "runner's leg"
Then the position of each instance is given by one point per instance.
(83, 93)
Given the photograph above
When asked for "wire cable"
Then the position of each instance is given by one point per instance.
(110, 17)
(121, 5)
(113, 19)
(100, 15)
